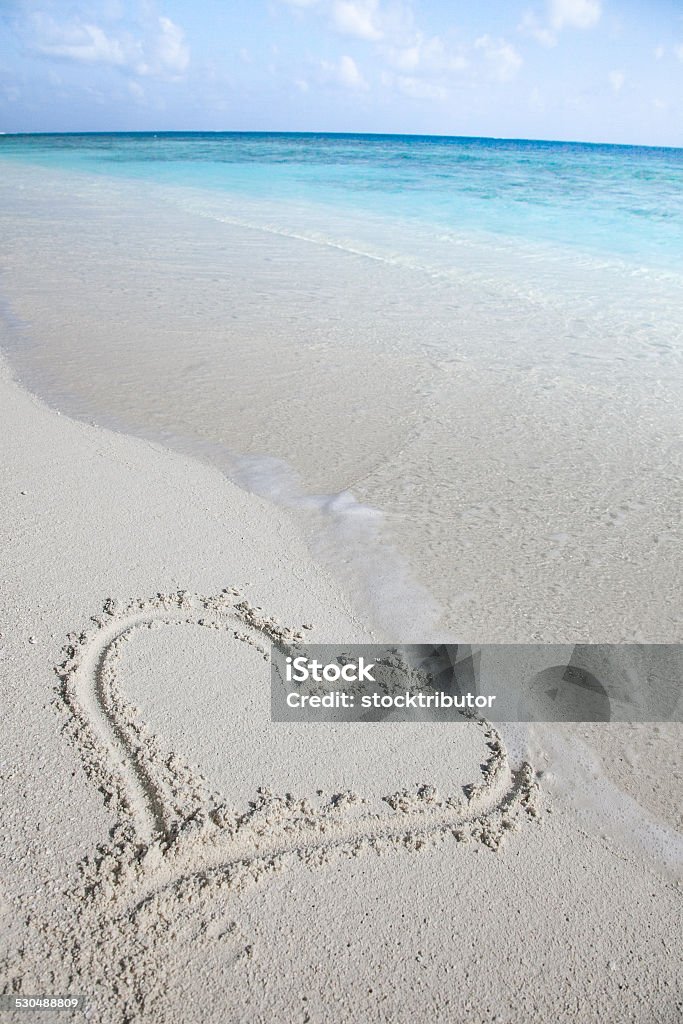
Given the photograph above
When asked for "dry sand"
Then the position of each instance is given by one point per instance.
(174, 857)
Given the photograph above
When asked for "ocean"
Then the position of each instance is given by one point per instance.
(457, 360)
(600, 202)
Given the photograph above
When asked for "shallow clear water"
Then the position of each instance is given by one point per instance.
(618, 201)
(479, 339)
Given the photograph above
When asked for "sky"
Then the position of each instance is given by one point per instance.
(591, 70)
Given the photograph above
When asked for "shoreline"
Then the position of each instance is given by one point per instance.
(530, 502)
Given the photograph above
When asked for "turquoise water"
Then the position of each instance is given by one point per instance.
(457, 361)
(592, 200)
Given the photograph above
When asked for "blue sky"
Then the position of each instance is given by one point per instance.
(595, 70)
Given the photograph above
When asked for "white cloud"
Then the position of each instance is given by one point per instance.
(616, 80)
(531, 26)
(659, 52)
(349, 74)
(360, 18)
(559, 15)
(167, 53)
(504, 60)
(420, 89)
(423, 67)
(83, 43)
(409, 62)
(173, 51)
(157, 48)
(357, 18)
(406, 58)
(345, 73)
(427, 55)
(536, 100)
(574, 13)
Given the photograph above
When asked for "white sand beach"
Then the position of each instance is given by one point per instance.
(173, 856)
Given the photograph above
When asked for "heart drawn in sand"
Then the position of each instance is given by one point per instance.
(172, 824)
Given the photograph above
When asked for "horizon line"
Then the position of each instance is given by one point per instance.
(348, 134)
